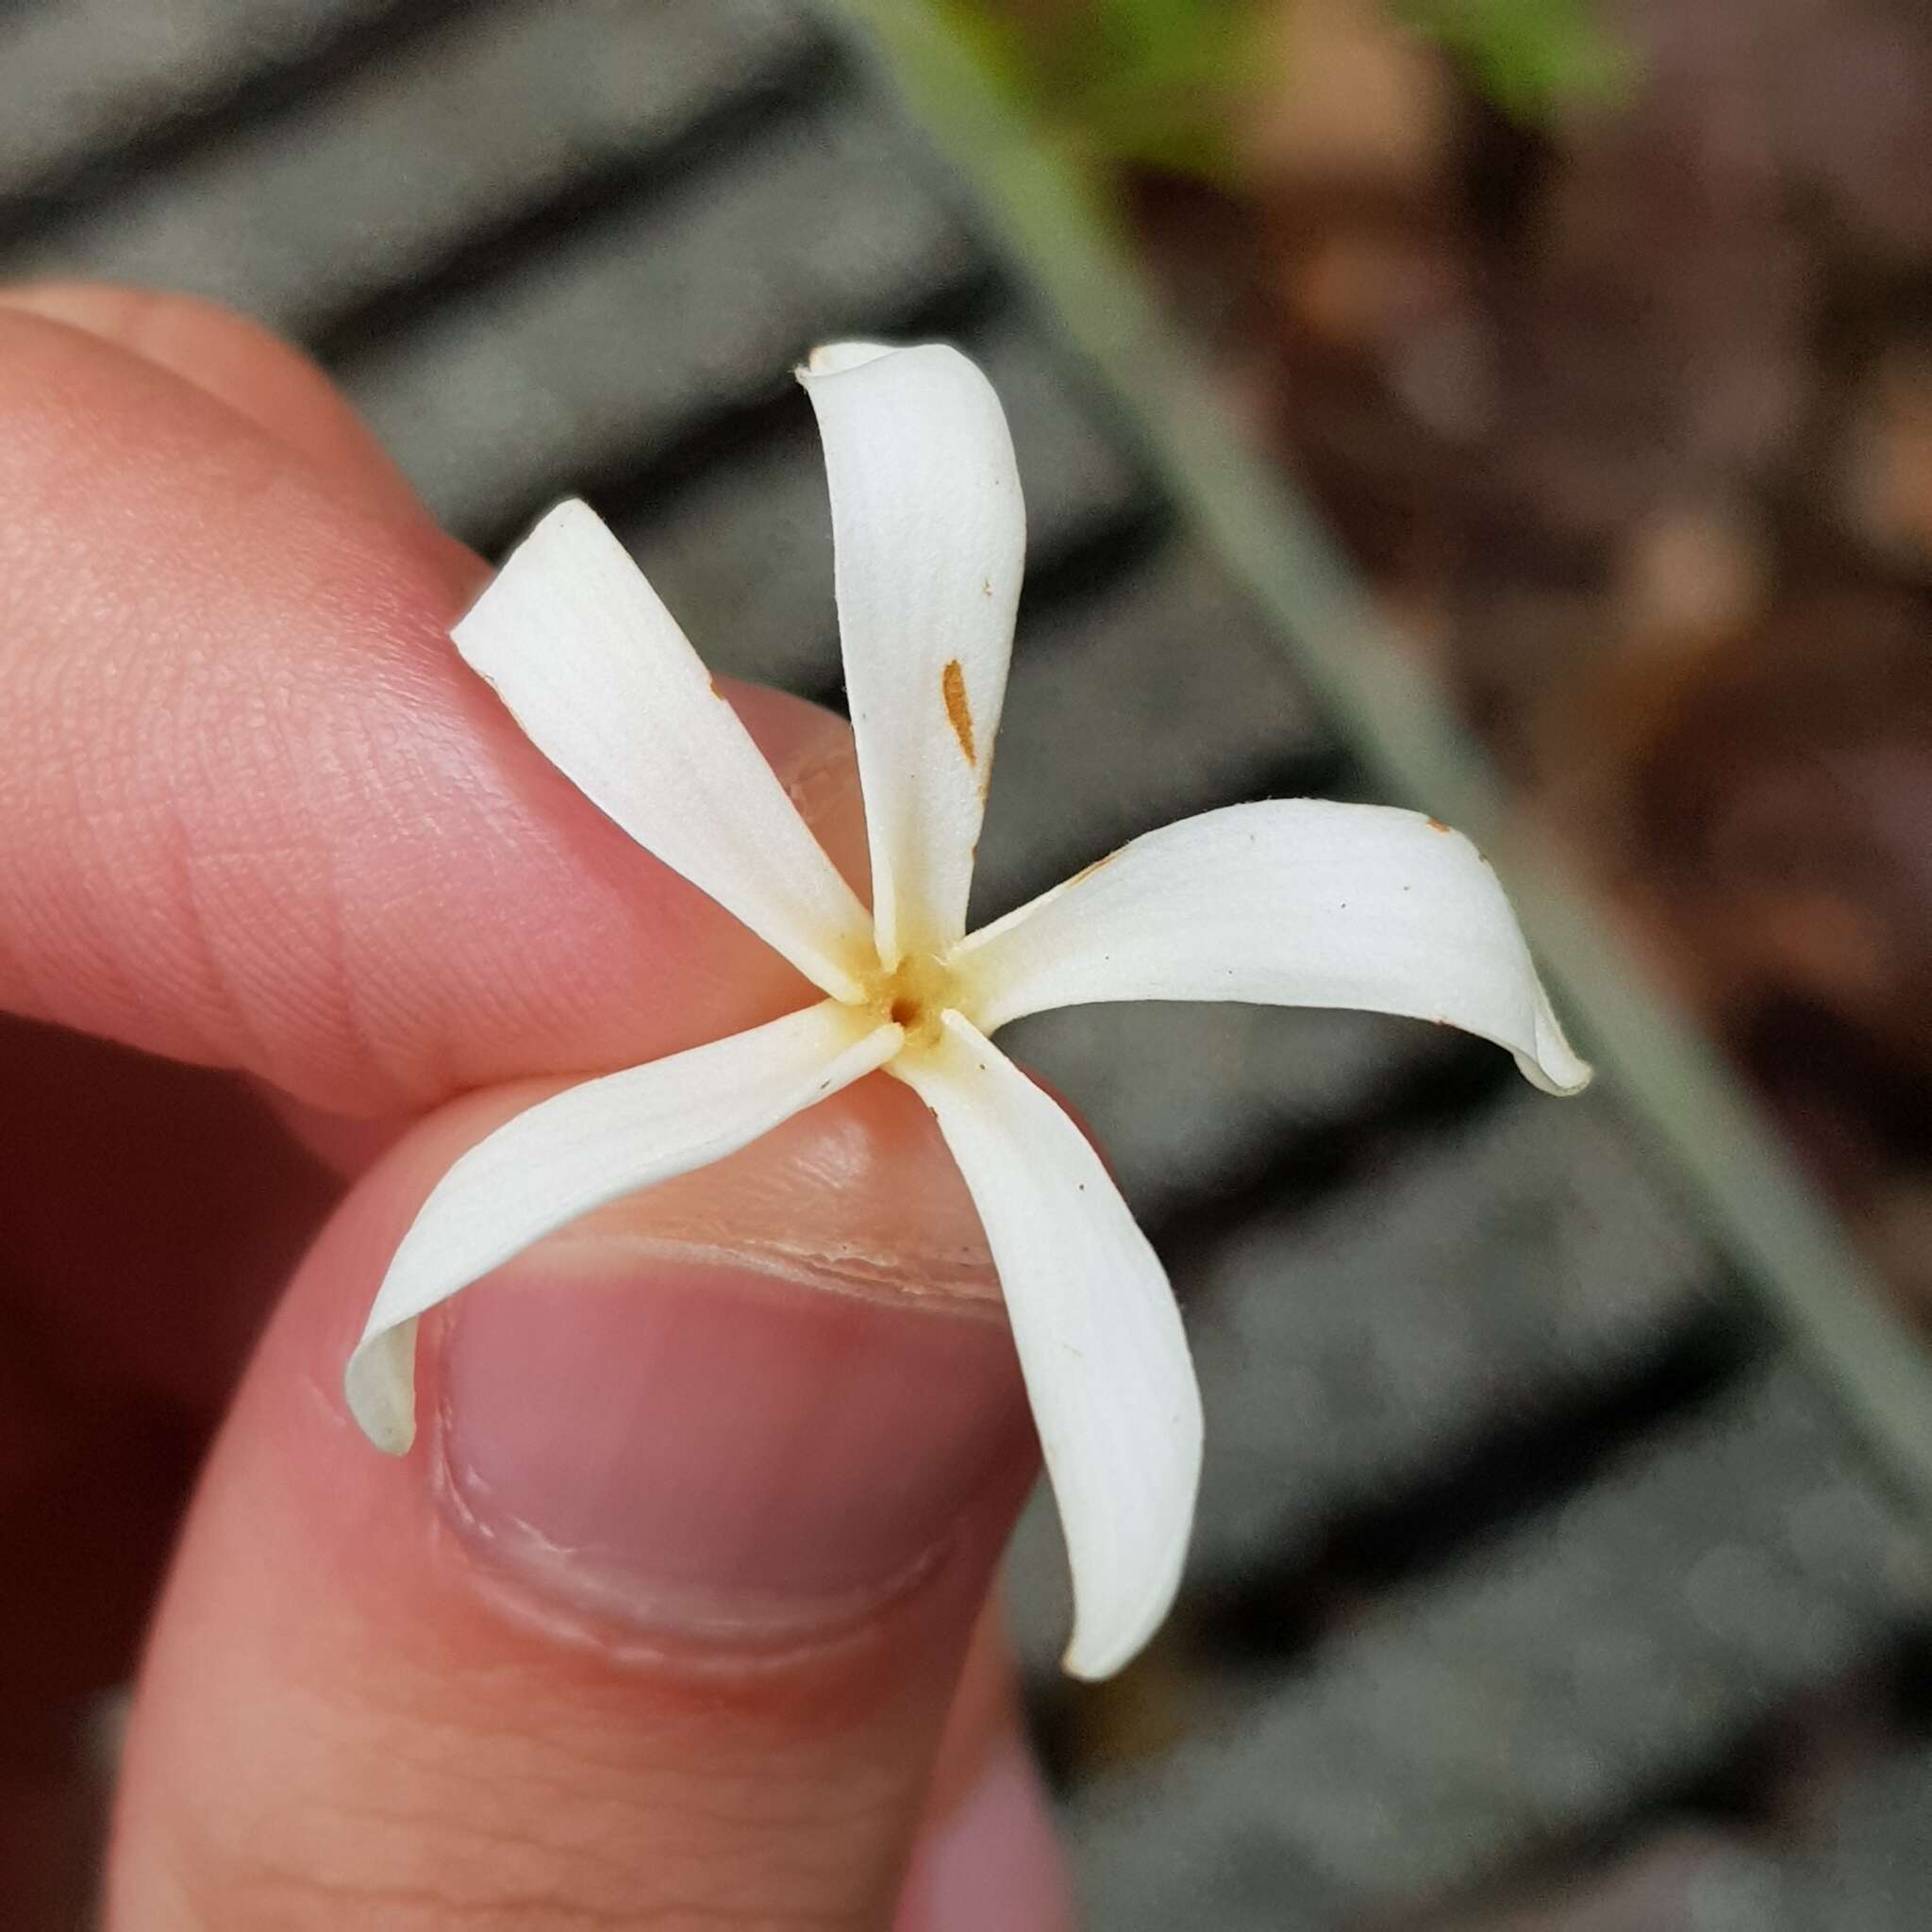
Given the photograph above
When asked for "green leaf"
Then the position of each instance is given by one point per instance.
(1119, 82)
(1158, 82)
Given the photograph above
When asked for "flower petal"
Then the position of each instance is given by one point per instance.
(588, 1145)
(1292, 902)
(595, 670)
(1099, 1336)
(929, 536)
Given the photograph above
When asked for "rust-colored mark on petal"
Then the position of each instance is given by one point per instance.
(715, 691)
(1087, 872)
(958, 713)
(1436, 825)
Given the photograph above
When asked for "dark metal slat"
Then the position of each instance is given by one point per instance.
(353, 194)
(92, 93)
(1860, 1862)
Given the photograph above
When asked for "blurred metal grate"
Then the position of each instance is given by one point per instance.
(376, 182)
(96, 96)
(1517, 1270)
(1534, 1688)
(1515, 1516)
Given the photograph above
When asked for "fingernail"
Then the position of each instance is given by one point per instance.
(996, 1862)
(710, 1451)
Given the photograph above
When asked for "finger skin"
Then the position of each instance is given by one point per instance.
(343, 1718)
(127, 1309)
(256, 813)
(236, 362)
(989, 1851)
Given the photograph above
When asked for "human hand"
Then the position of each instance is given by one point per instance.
(662, 1622)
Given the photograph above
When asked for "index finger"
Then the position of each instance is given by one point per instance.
(254, 813)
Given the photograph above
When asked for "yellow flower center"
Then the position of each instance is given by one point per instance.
(913, 996)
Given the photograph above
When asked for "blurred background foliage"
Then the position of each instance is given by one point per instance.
(1170, 83)
(1528, 56)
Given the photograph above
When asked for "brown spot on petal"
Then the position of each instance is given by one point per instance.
(958, 713)
(1436, 825)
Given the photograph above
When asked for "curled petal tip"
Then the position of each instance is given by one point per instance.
(379, 1386)
(834, 358)
(1555, 1066)
(1561, 1072)
(1075, 1663)
(1092, 1656)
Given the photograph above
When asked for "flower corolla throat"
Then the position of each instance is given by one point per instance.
(914, 995)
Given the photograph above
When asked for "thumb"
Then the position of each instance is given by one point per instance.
(658, 1624)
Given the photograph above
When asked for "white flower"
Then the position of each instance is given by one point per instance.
(1290, 901)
